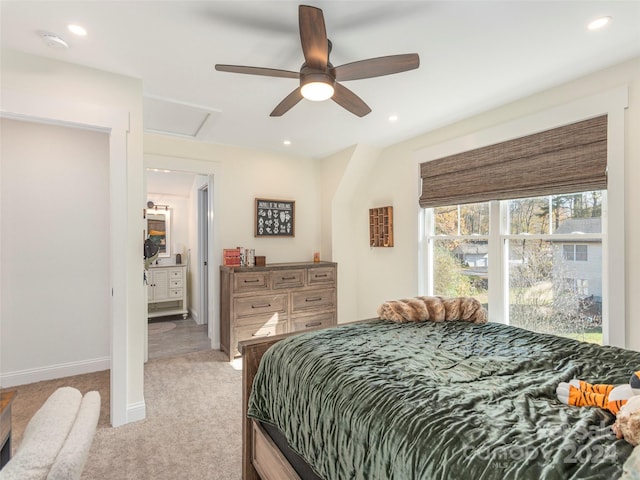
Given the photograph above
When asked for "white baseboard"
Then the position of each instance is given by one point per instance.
(136, 411)
(32, 375)
(194, 315)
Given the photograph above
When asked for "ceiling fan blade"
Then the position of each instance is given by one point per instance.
(349, 100)
(313, 36)
(266, 72)
(287, 104)
(376, 67)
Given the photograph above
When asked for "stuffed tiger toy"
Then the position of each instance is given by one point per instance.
(609, 397)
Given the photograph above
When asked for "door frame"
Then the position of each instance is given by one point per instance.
(203, 224)
(211, 169)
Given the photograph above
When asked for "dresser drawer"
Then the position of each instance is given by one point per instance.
(250, 281)
(313, 299)
(268, 329)
(261, 305)
(175, 293)
(321, 276)
(308, 322)
(175, 273)
(175, 283)
(287, 279)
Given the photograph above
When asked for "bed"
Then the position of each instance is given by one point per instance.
(423, 400)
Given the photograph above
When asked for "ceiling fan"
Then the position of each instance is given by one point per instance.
(319, 79)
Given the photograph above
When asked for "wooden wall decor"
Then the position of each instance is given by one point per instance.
(381, 227)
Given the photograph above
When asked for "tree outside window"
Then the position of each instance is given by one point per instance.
(554, 284)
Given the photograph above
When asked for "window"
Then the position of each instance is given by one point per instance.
(581, 253)
(534, 262)
(575, 253)
(582, 287)
(485, 166)
(460, 251)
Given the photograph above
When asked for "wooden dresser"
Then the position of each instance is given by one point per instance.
(6, 399)
(277, 298)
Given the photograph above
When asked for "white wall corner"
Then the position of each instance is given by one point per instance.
(344, 205)
(194, 315)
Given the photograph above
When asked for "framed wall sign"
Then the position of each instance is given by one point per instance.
(275, 218)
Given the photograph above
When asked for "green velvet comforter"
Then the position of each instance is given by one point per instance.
(379, 400)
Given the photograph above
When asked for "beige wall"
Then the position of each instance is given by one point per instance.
(54, 255)
(393, 273)
(241, 176)
(66, 91)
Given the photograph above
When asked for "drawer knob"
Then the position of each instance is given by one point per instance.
(252, 281)
(264, 305)
(324, 275)
(313, 299)
(288, 278)
(314, 324)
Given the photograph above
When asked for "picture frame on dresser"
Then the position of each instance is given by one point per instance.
(274, 218)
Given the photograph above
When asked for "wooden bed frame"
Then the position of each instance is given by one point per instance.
(261, 458)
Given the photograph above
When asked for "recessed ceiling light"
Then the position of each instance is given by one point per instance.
(77, 30)
(393, 118)
(598, 23)
(287, 142)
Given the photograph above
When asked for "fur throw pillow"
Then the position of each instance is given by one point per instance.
(435, 309)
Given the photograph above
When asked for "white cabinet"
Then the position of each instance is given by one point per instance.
(167, 290)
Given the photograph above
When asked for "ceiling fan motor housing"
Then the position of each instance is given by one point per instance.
(308, 75)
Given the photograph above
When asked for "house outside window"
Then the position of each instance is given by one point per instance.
(538, 259)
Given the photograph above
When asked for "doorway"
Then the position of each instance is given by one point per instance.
(185, 196)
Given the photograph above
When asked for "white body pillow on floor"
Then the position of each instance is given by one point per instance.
(57, 439)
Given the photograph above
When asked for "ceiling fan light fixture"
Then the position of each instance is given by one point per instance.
(317, 91)
(316, 86)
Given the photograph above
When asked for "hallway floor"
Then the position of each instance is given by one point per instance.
(167, 340)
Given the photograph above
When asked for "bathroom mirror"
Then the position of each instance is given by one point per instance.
(159, 230)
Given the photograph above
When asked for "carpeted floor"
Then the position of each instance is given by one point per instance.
(192, 430)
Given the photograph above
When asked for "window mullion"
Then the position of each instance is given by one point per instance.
(497, 304)
(426, 287)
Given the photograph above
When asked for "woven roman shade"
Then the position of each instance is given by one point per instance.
(567, 159)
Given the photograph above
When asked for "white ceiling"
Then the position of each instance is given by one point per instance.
(475, 55)
(163, 182)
